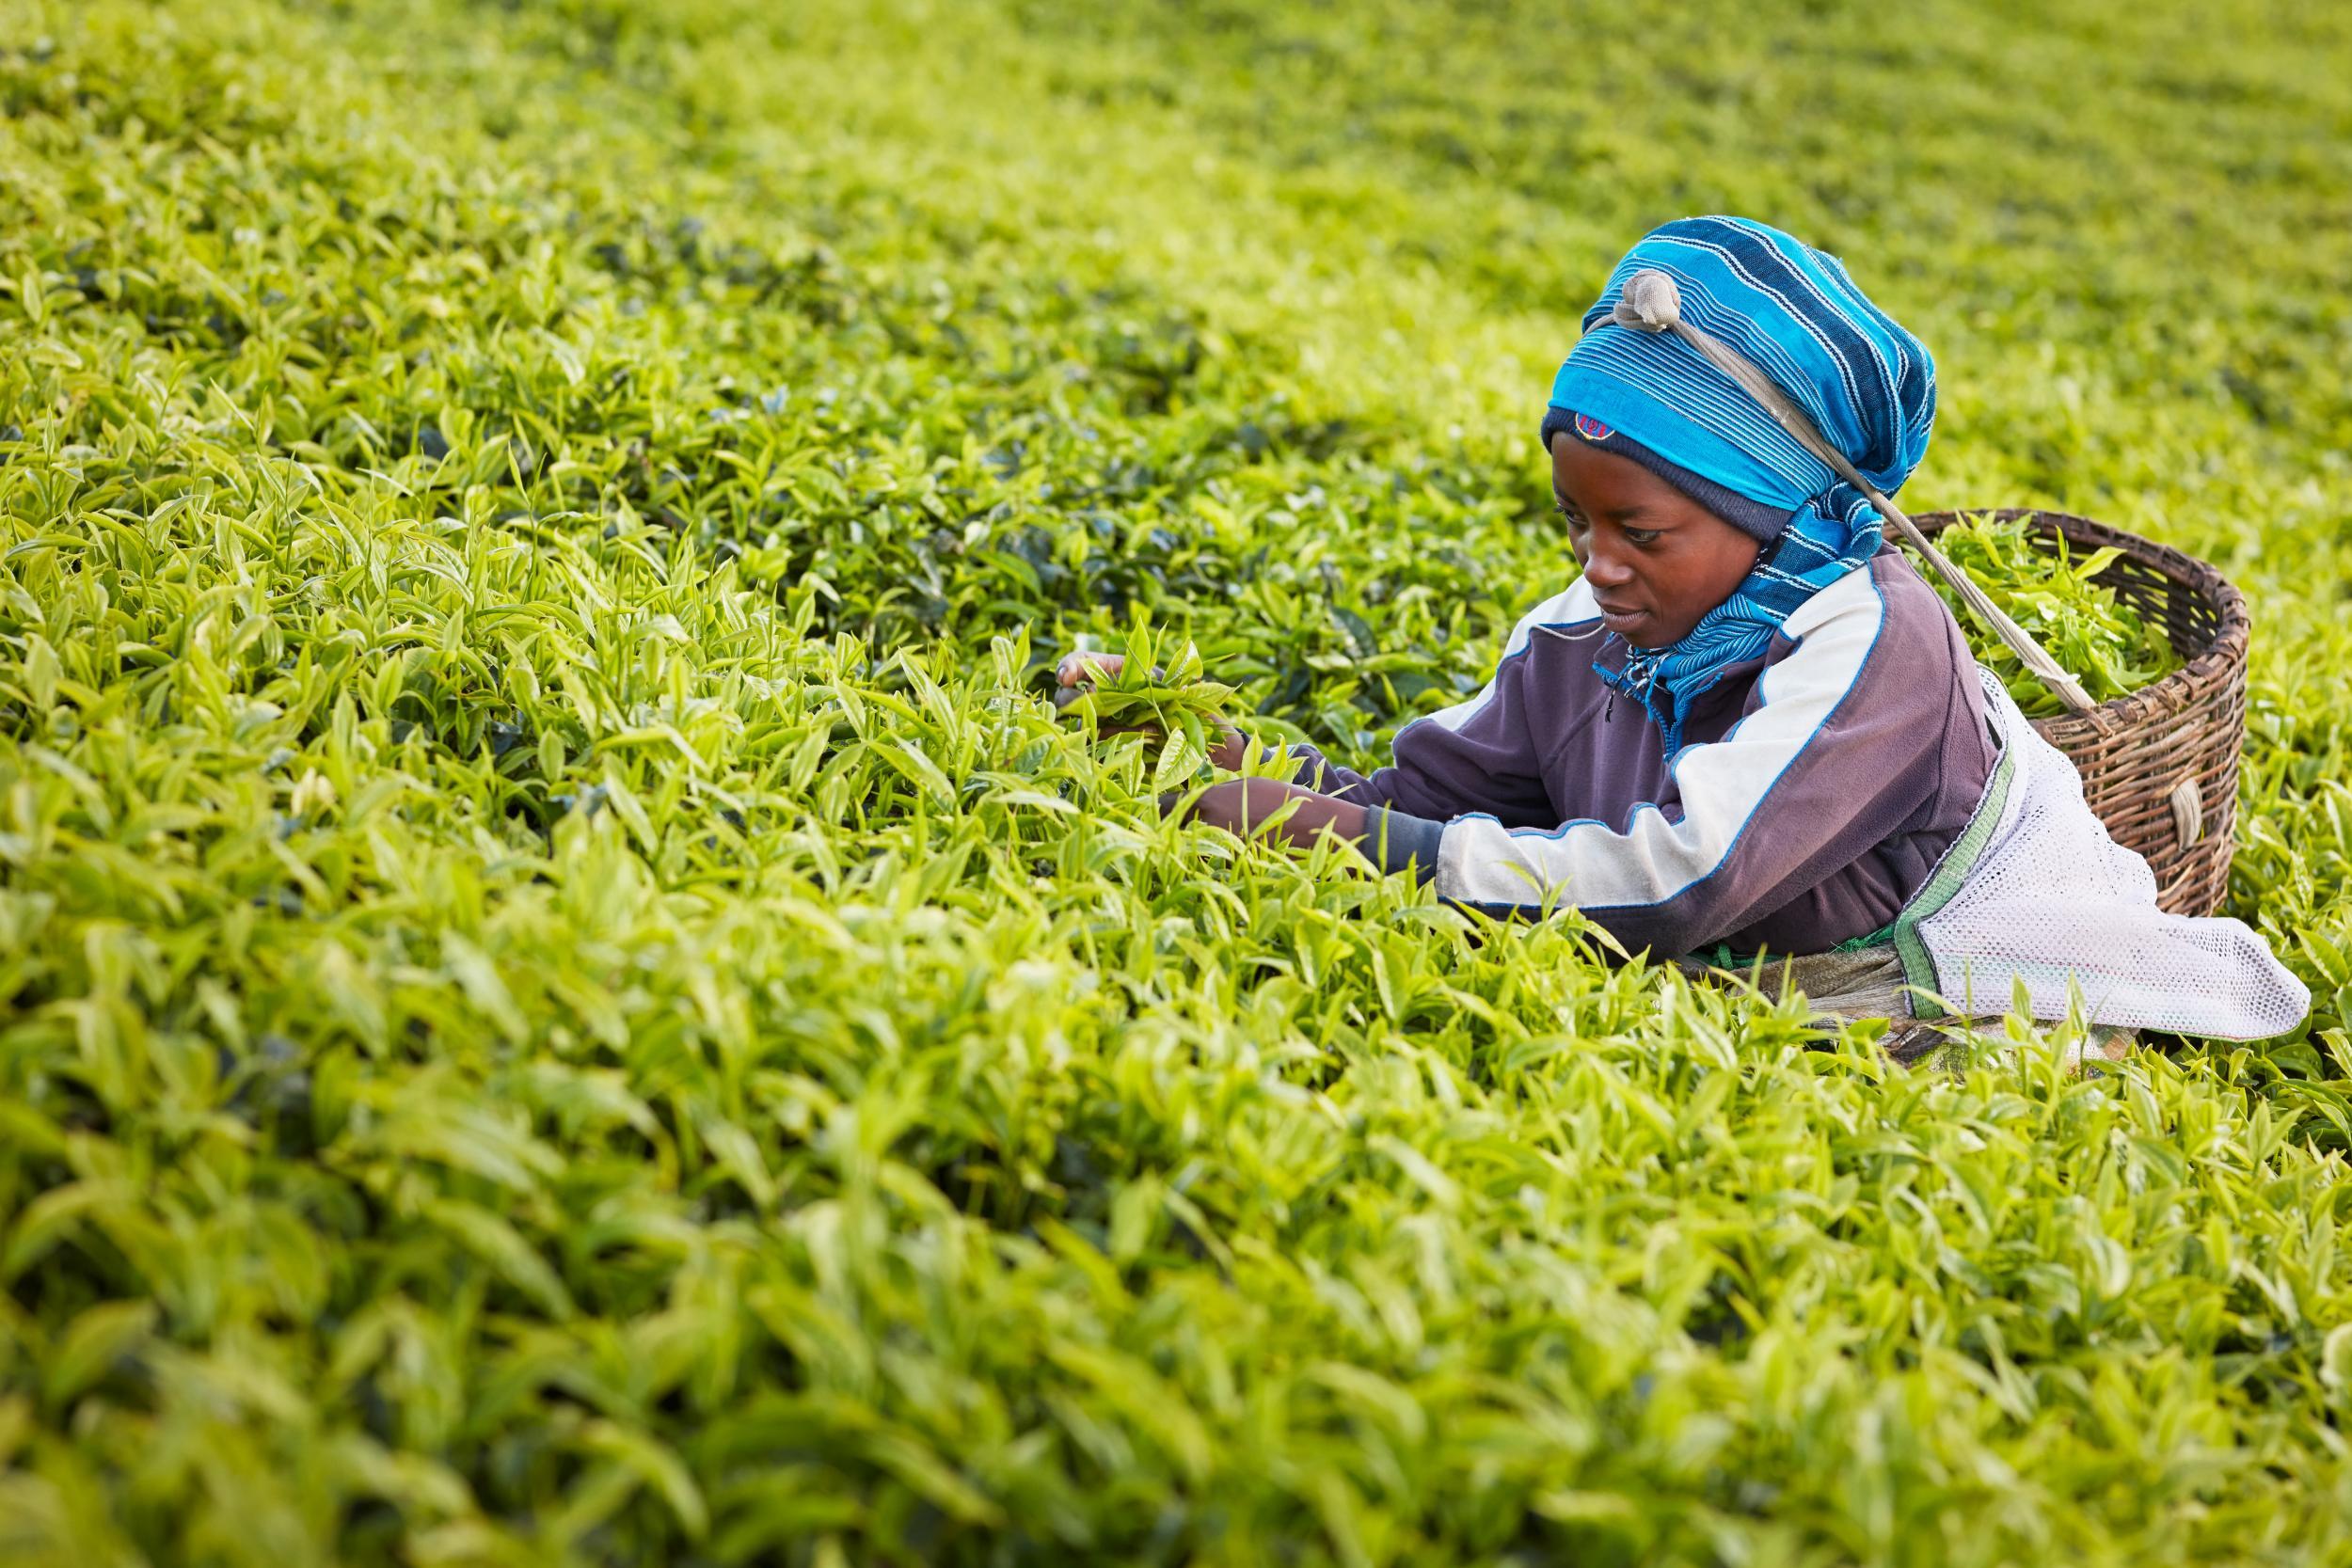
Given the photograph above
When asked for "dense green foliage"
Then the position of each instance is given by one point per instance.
(566, 996)
(2110, 648)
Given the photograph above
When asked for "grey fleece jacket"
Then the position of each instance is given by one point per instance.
(1816, 789)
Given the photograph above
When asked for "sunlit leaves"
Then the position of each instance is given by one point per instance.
(570, 1000)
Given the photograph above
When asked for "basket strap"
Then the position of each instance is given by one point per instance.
(1652, 302)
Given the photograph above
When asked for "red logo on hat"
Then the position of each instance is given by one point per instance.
(1592, 429)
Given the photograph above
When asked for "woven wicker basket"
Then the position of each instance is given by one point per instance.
(2159, 765)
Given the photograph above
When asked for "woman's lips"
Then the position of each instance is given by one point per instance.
(1621, 619)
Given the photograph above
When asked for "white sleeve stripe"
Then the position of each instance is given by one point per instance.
(1724, 784)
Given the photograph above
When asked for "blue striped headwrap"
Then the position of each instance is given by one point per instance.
(1867, 384)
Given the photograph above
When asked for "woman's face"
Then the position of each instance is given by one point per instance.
(1657, 559)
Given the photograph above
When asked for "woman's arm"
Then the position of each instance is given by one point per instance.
(1847, 739)
(1243, 805)
(1476, 757)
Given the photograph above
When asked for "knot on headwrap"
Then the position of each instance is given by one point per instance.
(1650, 303)
(1867, 386)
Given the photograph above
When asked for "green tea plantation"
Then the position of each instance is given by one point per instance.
(567, 998)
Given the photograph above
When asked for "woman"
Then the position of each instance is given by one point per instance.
(1749, 727)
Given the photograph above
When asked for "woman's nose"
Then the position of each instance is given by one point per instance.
(1606, 570)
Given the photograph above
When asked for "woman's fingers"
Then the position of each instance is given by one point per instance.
(1076, 668)
(1076, 672)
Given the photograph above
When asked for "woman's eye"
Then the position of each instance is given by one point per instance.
(1573, 519)
(1640, 536)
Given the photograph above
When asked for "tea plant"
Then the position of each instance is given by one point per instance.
(566, 996)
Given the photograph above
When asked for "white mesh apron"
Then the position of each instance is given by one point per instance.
(2035, 894)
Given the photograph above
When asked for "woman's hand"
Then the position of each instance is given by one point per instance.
(1243, 805)
(1076, 674)
(1238, 805)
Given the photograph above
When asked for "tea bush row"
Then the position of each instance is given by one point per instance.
(568, 998)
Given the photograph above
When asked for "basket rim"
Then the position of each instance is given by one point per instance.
(2216, 664)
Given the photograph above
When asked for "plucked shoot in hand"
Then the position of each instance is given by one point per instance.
(1133, 689)
(1153, 688)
